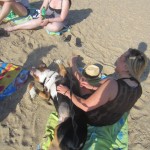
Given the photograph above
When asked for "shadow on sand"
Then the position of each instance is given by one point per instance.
(9, 104)
(143, 47)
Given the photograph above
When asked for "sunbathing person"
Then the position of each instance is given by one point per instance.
(19, 7)
(111, 98)
(55, 19)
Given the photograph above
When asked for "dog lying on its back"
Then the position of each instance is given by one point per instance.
(71, 133)
(48, 78)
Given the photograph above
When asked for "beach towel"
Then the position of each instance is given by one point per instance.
(33, 14)
(11, 78)
(65, 29)
(112, 137)
(49, 131)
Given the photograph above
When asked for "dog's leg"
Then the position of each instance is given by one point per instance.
(44, 95)
(32, 90)
(62, 69)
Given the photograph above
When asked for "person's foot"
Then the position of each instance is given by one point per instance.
(10, 29)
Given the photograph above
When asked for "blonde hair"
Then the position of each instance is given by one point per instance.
(136, 62)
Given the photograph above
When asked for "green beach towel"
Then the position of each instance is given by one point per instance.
(49, 131)
(20, 20)
(112, 137)
(65, 29)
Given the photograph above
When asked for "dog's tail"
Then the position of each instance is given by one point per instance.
(66, 136)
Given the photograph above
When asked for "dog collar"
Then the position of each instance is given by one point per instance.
(45, 80)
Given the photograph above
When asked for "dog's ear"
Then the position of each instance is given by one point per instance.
(70, 138)
(62, 70)
(42, 65)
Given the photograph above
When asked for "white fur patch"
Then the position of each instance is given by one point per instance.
(50, 81)
(53, 91)
(32, 92)
(58, 61)
(63, 112)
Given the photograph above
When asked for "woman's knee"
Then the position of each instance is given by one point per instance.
(54, 27)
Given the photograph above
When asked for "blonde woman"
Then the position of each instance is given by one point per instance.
(19, 7)
(112, 97)
(56, 17)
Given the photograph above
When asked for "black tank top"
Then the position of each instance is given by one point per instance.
(112, 111)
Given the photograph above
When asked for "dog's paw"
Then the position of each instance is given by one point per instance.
(32, 70)
(49, 102)
(58, 61)
(32, 90)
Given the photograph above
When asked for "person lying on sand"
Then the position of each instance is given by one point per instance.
(112, 97)
(19, 7)
(55, 19)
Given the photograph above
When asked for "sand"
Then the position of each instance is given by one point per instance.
(101, 31)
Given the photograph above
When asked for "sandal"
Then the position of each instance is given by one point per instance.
(3, 33)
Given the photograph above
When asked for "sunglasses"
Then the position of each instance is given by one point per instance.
(135, 53)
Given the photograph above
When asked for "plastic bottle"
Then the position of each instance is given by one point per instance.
(43, 12)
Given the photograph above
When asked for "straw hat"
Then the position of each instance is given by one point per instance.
(92, 73)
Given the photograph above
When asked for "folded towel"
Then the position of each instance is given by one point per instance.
(65, 29)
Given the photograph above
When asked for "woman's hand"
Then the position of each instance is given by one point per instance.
(44, 22)
(86, 85)
(62, 89)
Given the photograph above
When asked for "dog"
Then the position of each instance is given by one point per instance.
(71, 132)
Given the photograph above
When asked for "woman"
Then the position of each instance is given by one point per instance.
(56, 14)
(111, 98)
(19, 7)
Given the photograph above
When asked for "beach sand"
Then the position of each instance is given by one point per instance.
(101, 31)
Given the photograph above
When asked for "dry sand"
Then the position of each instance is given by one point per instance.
(106, 29)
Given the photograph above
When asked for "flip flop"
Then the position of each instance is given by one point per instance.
(67, 39)
(3, 33)
(78, 42)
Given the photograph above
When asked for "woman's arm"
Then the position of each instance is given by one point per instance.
(45, 4)
(64, 12)
(106, 92)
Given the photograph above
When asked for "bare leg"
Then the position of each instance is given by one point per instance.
(16, 7)
(27, 26)
(19, 9)
(54, 27)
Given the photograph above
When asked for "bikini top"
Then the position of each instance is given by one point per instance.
(58, 11)
(112, 111)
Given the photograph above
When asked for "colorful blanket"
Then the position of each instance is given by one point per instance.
(11, 78)
(112, 137)
(7, 74)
